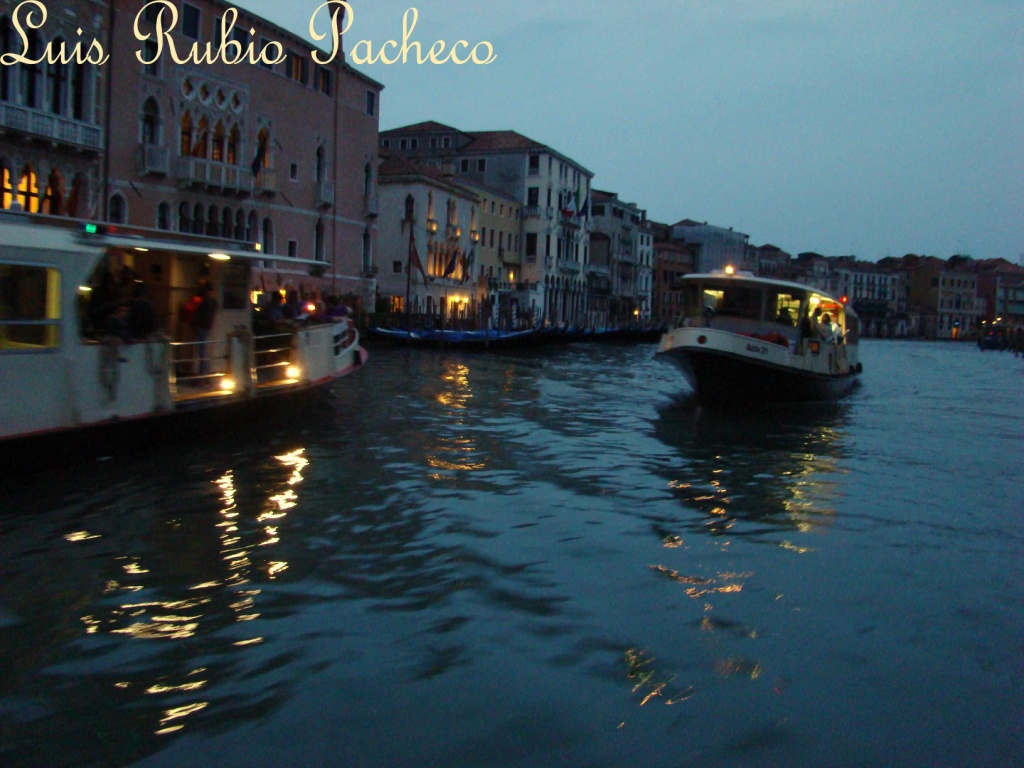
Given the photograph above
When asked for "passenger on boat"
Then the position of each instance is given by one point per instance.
(205, 314)
(141, 317)
(829, 331)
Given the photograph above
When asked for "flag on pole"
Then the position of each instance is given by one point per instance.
(568, 206)
(452, 263)
(414, 258)
(583, 207)
(257, 162)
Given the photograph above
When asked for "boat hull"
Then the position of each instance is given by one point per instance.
(727, 370)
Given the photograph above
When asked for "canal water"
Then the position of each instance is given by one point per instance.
(549, 559)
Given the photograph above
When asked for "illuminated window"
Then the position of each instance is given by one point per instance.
(218, 143)
(28, 190)
(7, 188)
(186, 134)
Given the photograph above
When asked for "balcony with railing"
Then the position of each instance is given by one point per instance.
(154, 159)
(45, 125)
(265, 182)
(196, 171)
(570, 265)
(324, 194)
(371, 206)
(530, 211)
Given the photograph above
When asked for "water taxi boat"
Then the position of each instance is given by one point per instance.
(67, 371)
(746, 340)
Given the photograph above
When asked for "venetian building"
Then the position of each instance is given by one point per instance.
(552, 192)
(276, 155)
(52, 116)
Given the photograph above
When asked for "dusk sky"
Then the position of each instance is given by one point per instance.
(871, 127)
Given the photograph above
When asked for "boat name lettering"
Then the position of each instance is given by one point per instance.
(761, 350)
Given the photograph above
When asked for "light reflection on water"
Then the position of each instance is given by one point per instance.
(526, 560)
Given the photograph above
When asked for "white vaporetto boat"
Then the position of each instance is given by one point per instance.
(747, 340)
(64, 374)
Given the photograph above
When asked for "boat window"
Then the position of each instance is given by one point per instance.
(29, 308)
(784, 308)
(738, 302)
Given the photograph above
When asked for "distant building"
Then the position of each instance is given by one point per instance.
(719, 247)
(626, 251)
(463, 233)
(946, 294)
(552, 190)
(671, 261)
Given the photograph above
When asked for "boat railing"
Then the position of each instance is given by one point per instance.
(198, 365)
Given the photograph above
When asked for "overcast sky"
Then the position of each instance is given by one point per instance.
(871, 127)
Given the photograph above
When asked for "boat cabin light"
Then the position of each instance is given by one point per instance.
(311, 307)
(292, 372)
(227, 384)
(140, 249)
(85, 289)
(220, 257)
(730, 269)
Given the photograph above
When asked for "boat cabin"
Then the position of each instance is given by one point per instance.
(771, 310)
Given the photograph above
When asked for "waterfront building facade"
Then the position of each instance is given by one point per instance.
(280, 156)
(622, 244)
(553, 192)
(671, 261)
(947, 298)
(53, 116)
(464, 236)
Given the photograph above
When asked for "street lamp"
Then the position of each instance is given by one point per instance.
(432, 226)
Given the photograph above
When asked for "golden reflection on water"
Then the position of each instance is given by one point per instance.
(444, 454)
(651, 683)
(222, 589)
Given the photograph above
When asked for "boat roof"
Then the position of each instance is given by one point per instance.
(750, 279)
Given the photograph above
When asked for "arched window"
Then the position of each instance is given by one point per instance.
(198, 218)
(56, 84)
(318, 241)
(225, 222)
(321, 168)
(262, 159)
(234, 137)
(267, 236)
(6, 73)
(79, 83)
(252, 232)
(117, 209)
(53, 199)
(212, 221)
(217, 154)
(186, 134)
(28, 190)
(201, 147)
(163, 216)
(31, 87)
(79, 191)
(184, 218)
(240, 225)
(150, 122)
(6, 184)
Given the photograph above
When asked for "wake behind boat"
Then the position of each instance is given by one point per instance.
(71, 364)
(746, 340)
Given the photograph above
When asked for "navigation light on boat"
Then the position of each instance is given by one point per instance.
(730, 269)
(311, 307)
(844, 299)
(292, 372)
(227, 384)
(220, 257)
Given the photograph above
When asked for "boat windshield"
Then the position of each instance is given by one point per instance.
(756, 303)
